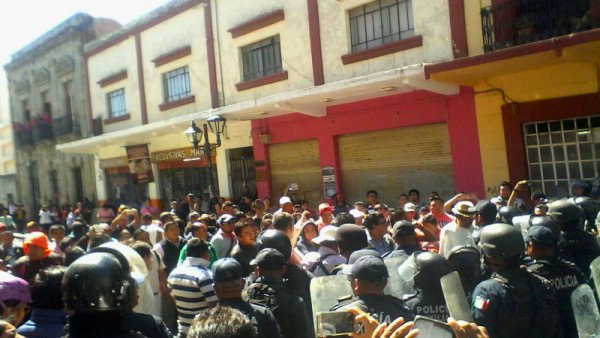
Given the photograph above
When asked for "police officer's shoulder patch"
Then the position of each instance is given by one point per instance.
(481, 303)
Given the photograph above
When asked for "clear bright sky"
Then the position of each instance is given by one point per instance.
(23, 21)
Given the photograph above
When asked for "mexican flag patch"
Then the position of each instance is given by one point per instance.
(481, 303)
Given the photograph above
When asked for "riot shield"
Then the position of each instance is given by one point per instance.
(586, 312)
(396, 285)
(522, 223)
(325, 291)
(407, 272)
(595, 268)
(455, 297)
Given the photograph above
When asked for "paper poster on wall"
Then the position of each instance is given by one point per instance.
(140, 167)
(328, 181)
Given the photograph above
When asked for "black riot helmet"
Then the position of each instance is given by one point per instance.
(466, 260)
(546, 221)
(501, 241)
(507, 213)
(275, 239)
(430, 268)
(569, 215)
(580, 188)
(98, 281)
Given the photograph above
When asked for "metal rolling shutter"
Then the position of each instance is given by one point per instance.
(396, 160)
(296, 162)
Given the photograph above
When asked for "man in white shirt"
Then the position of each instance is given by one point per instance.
(459, 232)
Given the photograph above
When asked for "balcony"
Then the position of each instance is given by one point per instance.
(64, 125)
(509, 23)
(22, 137)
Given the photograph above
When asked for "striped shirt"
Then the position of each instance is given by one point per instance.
(192, 288)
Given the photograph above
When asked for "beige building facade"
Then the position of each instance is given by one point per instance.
(8, 188)
(278, 72)
(47, 104)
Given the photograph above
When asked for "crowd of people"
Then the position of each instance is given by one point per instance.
(244, 269)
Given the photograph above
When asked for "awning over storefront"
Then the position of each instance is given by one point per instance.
(312, 101)
(578, 47)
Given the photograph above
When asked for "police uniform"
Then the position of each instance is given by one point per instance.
(228, 270)
(385, 309)
(261, 317)
(515, 304)
(564, 277)
(428, 305)
(289, 310)
(579, 247)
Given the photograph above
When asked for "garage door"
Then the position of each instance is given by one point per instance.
(396, 160)
(296, 162)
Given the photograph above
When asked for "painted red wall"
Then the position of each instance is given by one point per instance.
(403, 110)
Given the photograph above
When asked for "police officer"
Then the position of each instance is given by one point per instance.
(575, 244)
(564, 276)
(228, 284)
(429, 300)
(98, 289)
(466, 260)
(405, 237)
(580, 192)
(268, 290)
(513, 302)
(507, 213)
(296, 280)
(368, 277)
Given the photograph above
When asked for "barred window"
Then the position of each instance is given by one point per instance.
(380, 22)
(116, 103)
(262, 58)
(559, 152)
(176, 84)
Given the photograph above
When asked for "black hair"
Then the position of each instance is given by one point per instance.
(72, 254)
(372, 219)
(46, 288)
(197, 248)
(429, 219)
(369, 192)
(99, 239)
(142, 248)
(506, 184)
(344, 218)
(397, 215)
(435, 198)
(415, 191)
(239, 225)
(170, 224)
(283, 221)
(138, 232)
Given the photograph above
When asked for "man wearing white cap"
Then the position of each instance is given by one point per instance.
(285, 205)
(459, 232)
(322, 262)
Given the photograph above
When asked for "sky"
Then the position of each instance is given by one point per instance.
(22, 21)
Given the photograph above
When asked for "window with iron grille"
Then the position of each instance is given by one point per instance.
(262, 58)
(561, 151)
(380, 22)
(176, 84)
(116, 103)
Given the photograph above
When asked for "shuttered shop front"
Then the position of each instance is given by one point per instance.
(396, 160)
(296, 162)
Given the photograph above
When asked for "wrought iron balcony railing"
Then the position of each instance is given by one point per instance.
(510, 23)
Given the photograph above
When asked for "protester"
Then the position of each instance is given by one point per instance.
(48, 317)
(191, 285)
(14, 298)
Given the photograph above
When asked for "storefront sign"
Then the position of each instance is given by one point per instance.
(114, 162)
(180, 154)
(140, 167)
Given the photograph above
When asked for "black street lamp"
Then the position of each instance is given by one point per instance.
(194, 135)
